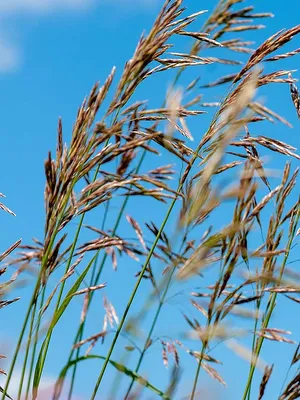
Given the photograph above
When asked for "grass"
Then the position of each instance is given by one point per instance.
(105, 160)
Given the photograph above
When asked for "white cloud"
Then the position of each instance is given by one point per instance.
(45, 389)
(9, 52)
(41, 6)
(46, 383)
(9, 56)
(47, 6)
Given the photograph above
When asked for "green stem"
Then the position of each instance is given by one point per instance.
(68, 264)
(81, 327)
(132, 298)
(35, 345)
(271, 308)
(176, 79)
(80, 330)
(161, 302)
(27, 352)
(61, 291)
(20, 339)
(35, 294)
(95, 281)
(198, 372)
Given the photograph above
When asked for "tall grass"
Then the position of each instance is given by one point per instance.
(112, 136)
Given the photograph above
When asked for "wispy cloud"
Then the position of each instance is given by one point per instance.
(45, 389)
(49, 6)
(10, 54)
(41, 6)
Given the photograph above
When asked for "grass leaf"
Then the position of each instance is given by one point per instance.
(120, 367)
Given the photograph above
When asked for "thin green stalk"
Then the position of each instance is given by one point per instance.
(20, 339)
(176, 79)
(271, 307)
(68, 264)
(161, 302)
(253, 340)
(56, 317)
(61, 291)
(94, 282)
(36, 290)
(78, 338)
(27, 351)
(35, 294)
(34, 348)
(132, 298)
(80, 331)
(198, 372)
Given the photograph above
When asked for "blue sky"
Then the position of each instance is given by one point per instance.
(52, 52)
